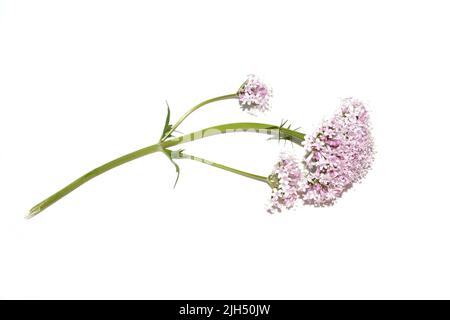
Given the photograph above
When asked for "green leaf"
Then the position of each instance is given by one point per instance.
(169, 154)
(167, 125)
(287, 134)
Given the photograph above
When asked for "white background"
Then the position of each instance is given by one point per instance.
(82, 82)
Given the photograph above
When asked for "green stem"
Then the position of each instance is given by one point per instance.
(182, 155)
(275, 131)
(90, 175)
(201, 104)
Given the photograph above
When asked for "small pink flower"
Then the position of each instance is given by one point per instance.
(338, 154)
(254, 95)
(285, 182)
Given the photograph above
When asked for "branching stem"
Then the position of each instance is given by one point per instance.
(272, 130)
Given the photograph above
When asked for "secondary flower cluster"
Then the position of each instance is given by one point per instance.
(254, 95)
(337, 155)
(285, 181)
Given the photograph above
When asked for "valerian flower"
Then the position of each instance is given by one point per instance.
(285, 181)
(254, 95)
(338, 154)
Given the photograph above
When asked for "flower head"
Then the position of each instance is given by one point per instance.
(285, 181)
(338, 154)
(254, 95)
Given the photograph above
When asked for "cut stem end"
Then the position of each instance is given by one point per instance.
(33, 212)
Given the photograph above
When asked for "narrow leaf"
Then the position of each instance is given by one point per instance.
(167, 125)
(168, 153)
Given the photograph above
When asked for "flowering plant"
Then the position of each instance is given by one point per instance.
(337, 155)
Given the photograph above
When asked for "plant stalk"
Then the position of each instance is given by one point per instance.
(182, 155)
(272, 130)
(201, 104)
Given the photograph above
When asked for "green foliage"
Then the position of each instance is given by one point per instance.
(286, 133)
(173, 155)
(167, 125)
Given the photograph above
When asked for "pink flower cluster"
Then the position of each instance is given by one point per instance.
(285, 181)
(337, 155)
(254, 95)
